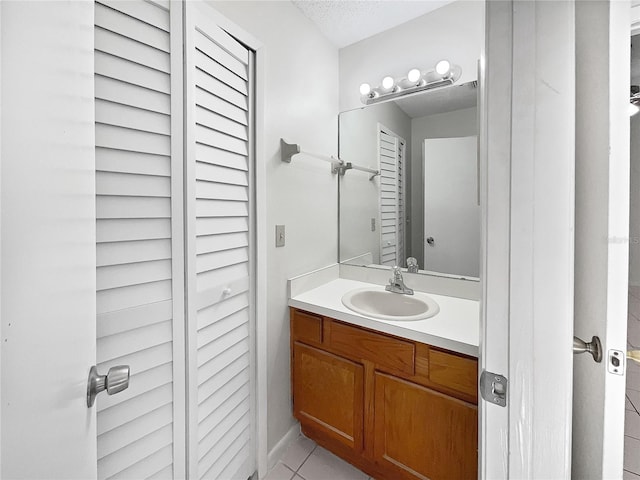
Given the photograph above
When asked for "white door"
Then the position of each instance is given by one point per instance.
(220, 260)
(451, 210)
(48, 240)
(602, 230)
(549, 143)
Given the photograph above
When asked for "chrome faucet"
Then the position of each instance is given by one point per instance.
(396, 284)
(412, 265)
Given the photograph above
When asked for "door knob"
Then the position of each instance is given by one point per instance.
(594, 347)
(116, 380)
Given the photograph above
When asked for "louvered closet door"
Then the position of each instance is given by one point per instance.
(219, 259)
(388, 151)
(134, 240)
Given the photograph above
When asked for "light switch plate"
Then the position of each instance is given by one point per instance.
(279, 235)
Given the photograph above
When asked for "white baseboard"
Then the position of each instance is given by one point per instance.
(277, 452)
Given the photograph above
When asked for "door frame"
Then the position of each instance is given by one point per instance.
(527, 129)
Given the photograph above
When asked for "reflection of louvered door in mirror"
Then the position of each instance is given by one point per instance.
(391, 150)
(163, 218)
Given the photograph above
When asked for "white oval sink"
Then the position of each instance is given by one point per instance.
(378, 303)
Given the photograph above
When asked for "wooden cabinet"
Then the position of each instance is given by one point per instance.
(328, 393)
(421, 433)
(395, 408)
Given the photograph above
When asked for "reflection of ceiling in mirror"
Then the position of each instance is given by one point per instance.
(345, 22)
(446, 99)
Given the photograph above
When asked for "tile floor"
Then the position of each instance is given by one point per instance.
(304, 460)
(632, 413)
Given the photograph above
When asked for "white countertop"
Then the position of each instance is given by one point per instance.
(456, 327)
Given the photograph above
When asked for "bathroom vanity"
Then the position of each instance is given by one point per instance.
(380, 395)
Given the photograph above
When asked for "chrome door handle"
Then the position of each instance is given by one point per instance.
(116, 380)
(594, 347)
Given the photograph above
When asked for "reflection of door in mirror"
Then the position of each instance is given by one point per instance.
(451, 211)
(391, 154)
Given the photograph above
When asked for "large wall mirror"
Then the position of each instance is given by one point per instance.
(424, 202)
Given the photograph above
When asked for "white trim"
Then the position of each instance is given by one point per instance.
(617, 254)
(495, 146)
(177, 243)
(1, 401)
(261, 260)
(280, 448)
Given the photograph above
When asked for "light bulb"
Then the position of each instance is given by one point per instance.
(443, 67)
(414, 75)
(633, 109)
(365, 89)
(388, 83)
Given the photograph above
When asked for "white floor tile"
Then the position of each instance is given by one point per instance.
(632, 424)
(280, 472)
(635, 291)
(633, 377)
(634, 398)
(298, 452)
(631, 457)
(633, 336)
(634, 307)
(323, 465)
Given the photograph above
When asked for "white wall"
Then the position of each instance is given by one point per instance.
(359, 196)
(454, 32)
(459, 123)
(301, 105)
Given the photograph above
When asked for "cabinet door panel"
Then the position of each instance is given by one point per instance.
(328, 394)
(420, 433)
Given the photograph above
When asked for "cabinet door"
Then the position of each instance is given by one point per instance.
(328, 395)
(420, 433)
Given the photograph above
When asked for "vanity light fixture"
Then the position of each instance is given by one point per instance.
(442, 74)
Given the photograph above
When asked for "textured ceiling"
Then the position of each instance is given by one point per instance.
(345, 22)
